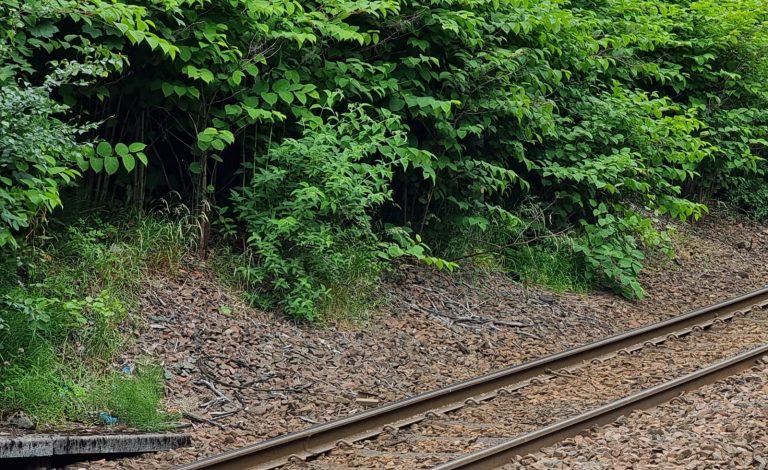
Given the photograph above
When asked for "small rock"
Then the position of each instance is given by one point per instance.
(547, 298)
(20, 420)
(367, 402)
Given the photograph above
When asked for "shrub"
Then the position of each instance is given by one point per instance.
(307, 209)
(38, 153)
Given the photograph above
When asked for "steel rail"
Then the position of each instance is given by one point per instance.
(501, 454)
(324, 437)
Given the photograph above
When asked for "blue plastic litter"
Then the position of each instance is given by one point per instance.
(128, 369)
(108, 419)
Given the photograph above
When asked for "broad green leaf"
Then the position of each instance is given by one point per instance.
(97, 164)
(269, 98)
(121, 149)
(281, 85)
(81, 163)
(104, 149)
(129, 162)
(111, 165)
(286, 96)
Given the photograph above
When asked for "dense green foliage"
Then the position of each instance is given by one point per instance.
(37, 155)
(606, 113)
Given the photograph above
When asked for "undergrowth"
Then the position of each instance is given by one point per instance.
(351, 289)
(553, 264)
(66, 309)
(750, 195)
(524, 249)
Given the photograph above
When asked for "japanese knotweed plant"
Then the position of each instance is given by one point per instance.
(308, 207)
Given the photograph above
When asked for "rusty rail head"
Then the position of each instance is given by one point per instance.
(323, 437)
(501, 454)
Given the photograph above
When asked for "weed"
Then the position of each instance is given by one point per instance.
(750, 195)
(552, 264)
(353, 292)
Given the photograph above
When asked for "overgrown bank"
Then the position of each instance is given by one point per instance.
(67, 306)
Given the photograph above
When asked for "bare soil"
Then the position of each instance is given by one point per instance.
(257, 375)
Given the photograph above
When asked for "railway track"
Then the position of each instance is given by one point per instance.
(486, 421)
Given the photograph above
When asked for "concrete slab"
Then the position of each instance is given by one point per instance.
(25, 447)
(41, 445)
(118, 444)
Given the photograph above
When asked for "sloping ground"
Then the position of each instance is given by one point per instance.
(257, 375)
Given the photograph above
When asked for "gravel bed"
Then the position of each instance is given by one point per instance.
(565, 395)
(722, 425)
(433, 329)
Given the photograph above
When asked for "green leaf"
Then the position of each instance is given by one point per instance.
(81, 163)
(167, 89)
(104, 149)
(281, 85)
(232, 110)
(137, 147)
(206, 75)
(195, 168)
(396, 104)
(269, 98)
(111, 165)
(96, 164)
(129, 162)
(237, 77)
(286, 96)
(121, 149)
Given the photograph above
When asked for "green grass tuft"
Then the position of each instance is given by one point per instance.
(553, 265)
(137, 399)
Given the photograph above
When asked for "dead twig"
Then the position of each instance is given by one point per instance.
(201, 419)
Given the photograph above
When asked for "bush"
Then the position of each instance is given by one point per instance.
(308, 207)
(631, 109)
(552, 263)
(38, 153)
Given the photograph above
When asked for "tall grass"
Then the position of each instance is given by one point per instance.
(352, 284)
(552, 264)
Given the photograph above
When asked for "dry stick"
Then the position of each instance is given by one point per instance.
(201, 419)
(509, 245)
(459, 343)
(214, 390)
(473, 318)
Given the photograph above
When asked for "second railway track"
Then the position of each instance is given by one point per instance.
(481, 422)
